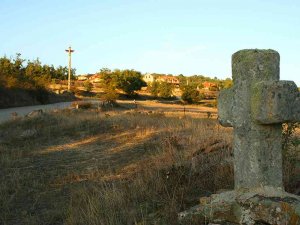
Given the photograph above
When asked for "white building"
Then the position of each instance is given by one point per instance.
(96, 78)
(148, 78)
(82, 77)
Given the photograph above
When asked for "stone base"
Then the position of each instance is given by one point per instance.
(260, 206)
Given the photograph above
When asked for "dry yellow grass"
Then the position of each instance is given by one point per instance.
(117, 167)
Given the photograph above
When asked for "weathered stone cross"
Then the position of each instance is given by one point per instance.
(256, 106)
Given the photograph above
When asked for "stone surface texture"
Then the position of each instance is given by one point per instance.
(258, 206)
(256, 106)
(279, 102)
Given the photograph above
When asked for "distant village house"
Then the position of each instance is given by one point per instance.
(168, 79)
(82, 78)
(96, 78)
(93, 78)
(148, 78)
(208, 85)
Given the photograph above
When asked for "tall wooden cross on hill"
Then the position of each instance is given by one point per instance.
(70, 51)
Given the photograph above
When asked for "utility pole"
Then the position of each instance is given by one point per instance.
(70, 51)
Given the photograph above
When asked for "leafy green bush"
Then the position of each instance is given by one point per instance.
(88, 86)
(154, 89)
(127, 80)
(191, 95)
(110, 95)
(165, 90)
(130, 81)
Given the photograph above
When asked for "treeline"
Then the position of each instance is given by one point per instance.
(190, 87)
(197, 80)
(161, 89)
(18, 73)
(189, 92)
(128, 81)
(33, 77)
(24, 82)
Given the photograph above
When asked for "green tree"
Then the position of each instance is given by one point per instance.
(109, 84)
(33, 75)
(6, 71)
(109, 79)
(182, 79)
(130, 81)
(88, 86)
(110, 95)
(104, 71)
(224, 84)
(190, 94)
(165, 90)
(12, 72)
(228, 83)
(154, 88)
(36, 72)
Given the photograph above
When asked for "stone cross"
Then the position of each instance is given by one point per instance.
(256, 106)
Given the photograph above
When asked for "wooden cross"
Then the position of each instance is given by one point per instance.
(70, 51)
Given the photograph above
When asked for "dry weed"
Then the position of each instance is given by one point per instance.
(84, 167)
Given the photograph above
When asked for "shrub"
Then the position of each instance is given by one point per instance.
(165, 90)
(191, 95)
(154, 89)
(110, 95)
(88, 86)
(130, 81)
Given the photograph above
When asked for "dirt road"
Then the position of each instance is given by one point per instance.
(169, 107)
(6, 114)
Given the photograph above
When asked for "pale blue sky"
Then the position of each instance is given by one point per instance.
(166, 36)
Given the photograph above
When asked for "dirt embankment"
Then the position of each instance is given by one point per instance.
(20, 97)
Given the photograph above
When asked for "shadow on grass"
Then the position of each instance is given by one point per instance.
(141, 155)
(35, 187)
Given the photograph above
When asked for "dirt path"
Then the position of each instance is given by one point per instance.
(6, 114)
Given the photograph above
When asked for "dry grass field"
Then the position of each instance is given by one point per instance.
(111, 167)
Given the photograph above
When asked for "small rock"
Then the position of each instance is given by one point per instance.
(14, 115)
(278, 210)
(29, 133)
(35, 113)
